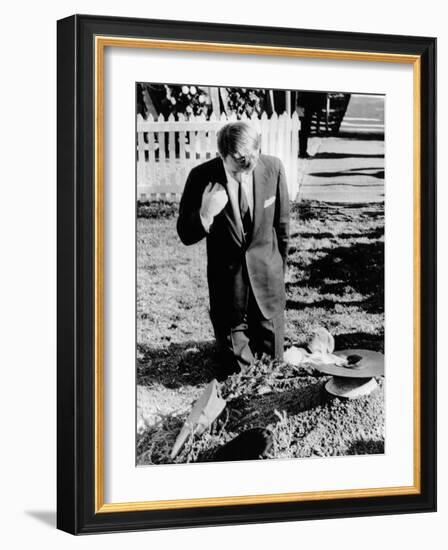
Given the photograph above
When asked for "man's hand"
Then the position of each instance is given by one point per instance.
(214, 200)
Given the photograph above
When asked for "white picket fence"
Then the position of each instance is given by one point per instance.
(168, 149)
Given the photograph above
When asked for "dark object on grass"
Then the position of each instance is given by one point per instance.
(249, 445)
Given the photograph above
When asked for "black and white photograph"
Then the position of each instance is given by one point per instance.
(260, 273)
(221, 320)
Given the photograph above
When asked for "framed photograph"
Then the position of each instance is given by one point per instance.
(246, 274)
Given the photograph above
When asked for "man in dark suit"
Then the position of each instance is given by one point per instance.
(239, 202)
(308, 104)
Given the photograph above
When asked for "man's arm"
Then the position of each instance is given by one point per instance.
(189, 224)
(281, 217)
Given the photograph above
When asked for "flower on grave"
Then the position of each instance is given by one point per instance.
(193, 89)
(185, 90)
(201, 98)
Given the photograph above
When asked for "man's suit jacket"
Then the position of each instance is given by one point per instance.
(228, 254)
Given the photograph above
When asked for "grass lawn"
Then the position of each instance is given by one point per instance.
(335, 279)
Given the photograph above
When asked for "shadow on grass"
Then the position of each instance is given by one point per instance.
(176, 365)
(359, 266)
(322, 303)
(361, 136)
(308, 210)
(369, 447)
(372, 234)
(325, 155)
(344, 173)
(359, 340)
(376, 233)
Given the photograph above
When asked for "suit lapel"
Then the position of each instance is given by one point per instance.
(259, 194)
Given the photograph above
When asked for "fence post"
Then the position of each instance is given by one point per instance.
(296, 177)
(141, 161)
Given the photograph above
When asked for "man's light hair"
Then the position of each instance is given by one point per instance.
(238, 138)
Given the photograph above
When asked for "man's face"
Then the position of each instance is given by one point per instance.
(241, 163)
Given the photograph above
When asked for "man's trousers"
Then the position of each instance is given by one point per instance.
(251, 336)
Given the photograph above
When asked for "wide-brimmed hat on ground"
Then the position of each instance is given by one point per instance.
(359, 363)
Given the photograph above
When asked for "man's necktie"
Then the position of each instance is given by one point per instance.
(244, 209)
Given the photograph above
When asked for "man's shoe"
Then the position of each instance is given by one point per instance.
(249, 445)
